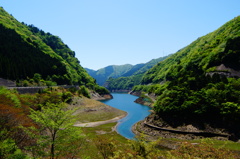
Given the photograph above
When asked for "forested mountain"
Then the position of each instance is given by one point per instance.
(115, 71)
(200, 83)
(29, 54)
(132, 77)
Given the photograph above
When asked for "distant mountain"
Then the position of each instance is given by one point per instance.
(200, 84)
(131, 78)
(29, 55)
(133, 70)
(113, 71)
(110, 75)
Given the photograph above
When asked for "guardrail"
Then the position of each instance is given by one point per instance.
(200, 133)
(36, 89)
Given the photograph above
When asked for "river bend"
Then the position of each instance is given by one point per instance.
(136, 112)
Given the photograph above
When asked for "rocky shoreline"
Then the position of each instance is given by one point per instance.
(155, 129)
(166, 132)
(97, 96)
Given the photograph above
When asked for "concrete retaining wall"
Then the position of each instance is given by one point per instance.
(7, 83)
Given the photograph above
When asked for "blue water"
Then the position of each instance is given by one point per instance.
(136, 112)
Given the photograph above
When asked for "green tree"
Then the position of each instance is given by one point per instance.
(8, 147)
(84, 91)
(55, 134)
(37, 77)
(105, 145)
(67, 97)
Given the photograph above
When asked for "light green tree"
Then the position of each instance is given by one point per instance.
(55, 134)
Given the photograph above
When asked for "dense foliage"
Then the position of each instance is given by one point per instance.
(200, 82)
(114, 71)
(39, 124)
(201, 56)
(26, 51)
(55, 135)
(78, 73)
(123, 83)
(132, 77)
(122, 77)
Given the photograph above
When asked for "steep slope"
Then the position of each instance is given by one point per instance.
(204, 54)
(29, 54)
(199, 84)
(23, 54)
(134, 69)
(132, 77)
(150, 64)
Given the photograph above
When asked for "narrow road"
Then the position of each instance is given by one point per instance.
(97, 123)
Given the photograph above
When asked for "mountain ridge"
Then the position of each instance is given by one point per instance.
(115, 71)
(198, 85)
(30, 56)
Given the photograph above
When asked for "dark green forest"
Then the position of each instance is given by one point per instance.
(200, 83)
(30, 56)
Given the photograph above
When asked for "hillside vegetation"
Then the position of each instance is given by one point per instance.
(132, 77)
(30, 56)
(41, 125)
(200, 84)
(114, 71)
(122, 77)
(29, 122)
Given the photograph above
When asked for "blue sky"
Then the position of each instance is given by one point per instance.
(107, 32)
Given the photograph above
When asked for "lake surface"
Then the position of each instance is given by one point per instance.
(136, 112)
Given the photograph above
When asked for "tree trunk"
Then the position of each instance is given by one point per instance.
(52, 145)
(52, 151)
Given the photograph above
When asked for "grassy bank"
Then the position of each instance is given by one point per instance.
(89, 110)
(114, 144)
(104, 142)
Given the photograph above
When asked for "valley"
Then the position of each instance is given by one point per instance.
(52, 107)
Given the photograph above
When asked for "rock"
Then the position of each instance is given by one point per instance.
(184, 132)
(97, 96)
